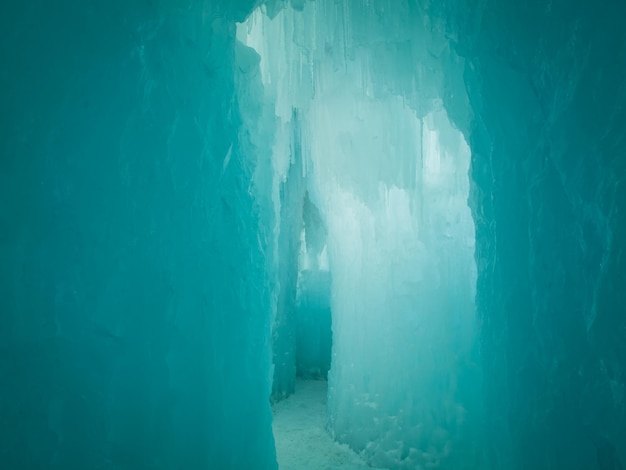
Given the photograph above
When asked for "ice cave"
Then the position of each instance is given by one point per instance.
(313, 235)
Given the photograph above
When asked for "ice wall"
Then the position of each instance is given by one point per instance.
(288, 200)
(402, 299)
(546, 83)
(134, 324)
(287, 189)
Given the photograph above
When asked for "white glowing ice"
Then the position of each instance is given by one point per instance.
(389, 174)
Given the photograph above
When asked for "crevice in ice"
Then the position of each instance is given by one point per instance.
(378, 208)
(313, 309)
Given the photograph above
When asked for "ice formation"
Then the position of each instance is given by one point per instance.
(389, 174)
(466, 162)
(525, 84)
(134, 299)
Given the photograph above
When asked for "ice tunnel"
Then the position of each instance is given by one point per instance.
(406, 219)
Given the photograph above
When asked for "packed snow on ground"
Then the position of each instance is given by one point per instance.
(302, 442)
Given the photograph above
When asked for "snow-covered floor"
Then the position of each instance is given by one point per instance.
(302, 442)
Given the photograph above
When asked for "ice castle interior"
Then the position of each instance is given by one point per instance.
(405, 218)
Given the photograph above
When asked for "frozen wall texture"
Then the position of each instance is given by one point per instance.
(134, 324)
(546, 84)
(289, 203)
